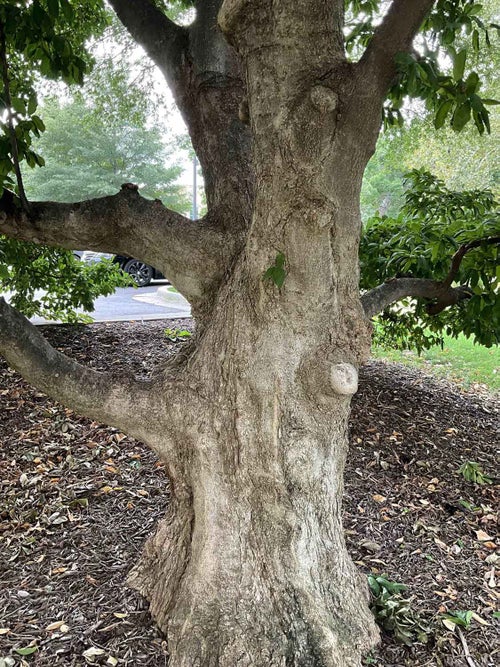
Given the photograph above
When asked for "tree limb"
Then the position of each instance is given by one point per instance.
(192, 254)
(396, 289)
(125, 403)
(394, 35)
(164, 41)
(460, 254)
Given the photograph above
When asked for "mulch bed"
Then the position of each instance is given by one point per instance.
(78, 500)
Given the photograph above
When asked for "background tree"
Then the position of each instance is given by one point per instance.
(461, 159)
(250, 565)
(383, 181)
(87, 154)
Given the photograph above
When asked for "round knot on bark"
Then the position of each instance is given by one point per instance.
(230, 15)
(344, 379)
(324, 99)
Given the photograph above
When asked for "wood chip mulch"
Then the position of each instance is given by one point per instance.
(78, 499)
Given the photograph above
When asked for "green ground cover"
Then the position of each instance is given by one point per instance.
(460, 360)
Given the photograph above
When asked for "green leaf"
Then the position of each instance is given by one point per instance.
(459, 64)
(277, 272)
(276, 275)
(475, 39)
(27, 650)
(39, 14)
(461, 116)
(32, 105)
(476, 103)
(38, 122)
(53, 7)
(374, 585)
(67, 10)
(19, 105)
(441, 113)
(472, 83)
(485, 117)
(490, 101)
(280, 260)
(478, 122)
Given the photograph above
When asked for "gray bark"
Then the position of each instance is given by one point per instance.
(396, 289)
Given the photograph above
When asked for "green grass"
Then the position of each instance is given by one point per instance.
(460, 361)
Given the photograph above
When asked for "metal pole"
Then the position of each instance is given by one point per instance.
(194, 212)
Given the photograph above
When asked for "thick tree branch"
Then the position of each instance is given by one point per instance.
(396, 289)
(192, 254)
(164, 41)
(441, 291)
(122, 402)
(394, 35)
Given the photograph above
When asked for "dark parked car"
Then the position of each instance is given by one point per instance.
(141, 272)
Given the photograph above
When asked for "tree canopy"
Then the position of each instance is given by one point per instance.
(453, 236)
(88, 154)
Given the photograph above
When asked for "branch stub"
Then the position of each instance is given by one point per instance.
(344, 379)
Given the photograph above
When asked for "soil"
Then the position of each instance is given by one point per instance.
(78, 500)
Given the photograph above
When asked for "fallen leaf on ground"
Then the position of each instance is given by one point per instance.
(54, 626)
(482, 536)
(93, 652)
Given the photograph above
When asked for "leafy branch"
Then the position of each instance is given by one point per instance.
(10, 118)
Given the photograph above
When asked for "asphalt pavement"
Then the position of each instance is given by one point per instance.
(158, 301)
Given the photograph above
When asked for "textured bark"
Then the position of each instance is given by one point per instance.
(262, 577)
(250, 568)
(205, 77)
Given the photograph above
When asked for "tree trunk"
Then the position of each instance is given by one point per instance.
(250, 567)
(253, 570)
